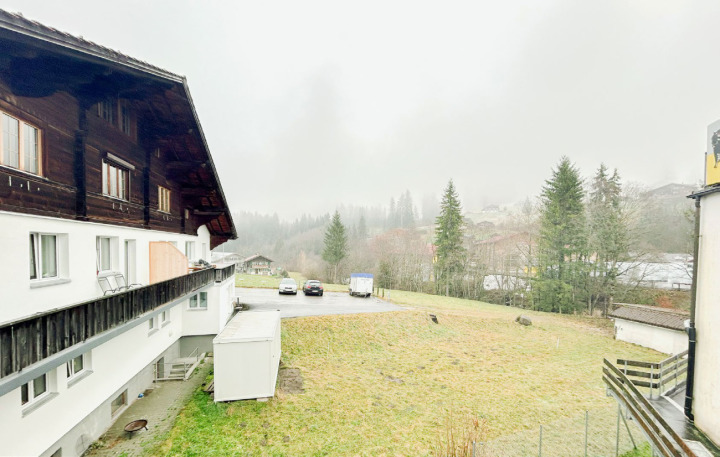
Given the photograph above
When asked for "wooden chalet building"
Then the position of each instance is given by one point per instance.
(106, 181)
(257, 265)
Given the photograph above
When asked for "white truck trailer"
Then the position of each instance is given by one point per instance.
(361, 284)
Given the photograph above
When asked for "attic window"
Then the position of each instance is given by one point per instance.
(105, 110)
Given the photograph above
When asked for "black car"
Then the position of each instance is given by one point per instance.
(313, 287)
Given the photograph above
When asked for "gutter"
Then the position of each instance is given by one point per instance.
(691, 331)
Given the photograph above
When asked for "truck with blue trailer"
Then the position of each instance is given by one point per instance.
(361, 284)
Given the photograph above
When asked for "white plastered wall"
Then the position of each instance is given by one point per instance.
(20, 296)
(658, 338)
(706, 395)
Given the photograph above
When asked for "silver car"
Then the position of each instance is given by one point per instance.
(288, 286)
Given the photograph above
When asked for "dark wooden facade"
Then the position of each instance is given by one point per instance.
(56, 82)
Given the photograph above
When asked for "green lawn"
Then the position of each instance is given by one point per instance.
(388, 384)
(272, 282)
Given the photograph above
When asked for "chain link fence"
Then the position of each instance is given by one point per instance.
(601, 433)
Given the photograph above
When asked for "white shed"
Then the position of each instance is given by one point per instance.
(652, 327)
(247, 356)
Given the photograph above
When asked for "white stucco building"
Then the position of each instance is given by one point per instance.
(652, 327)
(105, 180)
(705, 391)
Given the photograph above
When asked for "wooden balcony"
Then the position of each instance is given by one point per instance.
(34, 338)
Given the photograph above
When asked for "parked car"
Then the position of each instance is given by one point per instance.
(313, 287)
(288, 286)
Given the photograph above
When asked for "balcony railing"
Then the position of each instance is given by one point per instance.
(663, 438)
(34, 338)
(221, 274)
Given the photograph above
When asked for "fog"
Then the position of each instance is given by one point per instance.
(309, 105)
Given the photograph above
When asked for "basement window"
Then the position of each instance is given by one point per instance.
(118, 403)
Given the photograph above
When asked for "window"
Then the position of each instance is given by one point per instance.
(163, 317)
(151, 324)
(34, 390)
(163, 199)
(190, 250)
(76, 366)
(19, 145)
(43, 256)
(115, 182)
(199, 301)
(105, 110)
(118, 402)
(104, 254)
(125, 118)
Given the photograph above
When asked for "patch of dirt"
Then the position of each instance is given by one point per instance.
(290, 381)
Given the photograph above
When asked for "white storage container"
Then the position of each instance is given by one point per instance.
(247, 356)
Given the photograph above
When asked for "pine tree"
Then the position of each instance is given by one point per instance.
(562, 241)
(608, 235)
(450, 252)
(362, 231)
(336, 245)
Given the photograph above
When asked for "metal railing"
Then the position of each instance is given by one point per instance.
(34, 338)
(168, 368)
(661, 436)
(656, 375)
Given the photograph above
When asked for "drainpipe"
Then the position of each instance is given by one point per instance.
(692, 337)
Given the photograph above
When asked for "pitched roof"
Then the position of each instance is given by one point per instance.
(257, 256)
(658, 317)
(19, 24)
(86, 66)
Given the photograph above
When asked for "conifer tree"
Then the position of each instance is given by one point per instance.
(562, 241)
(608, 238)
(449, 252)
(336, 245)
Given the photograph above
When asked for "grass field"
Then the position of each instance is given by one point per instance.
(388, 384)
(272, 282)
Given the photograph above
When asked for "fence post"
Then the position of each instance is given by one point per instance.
(617, 434)
(586, 431)
(540, 444)
(473, 454)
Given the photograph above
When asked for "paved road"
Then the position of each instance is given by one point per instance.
(299, 305)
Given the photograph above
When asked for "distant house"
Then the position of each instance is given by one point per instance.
(652, 327)
(257, 265)
(226, 258)
(668, 271)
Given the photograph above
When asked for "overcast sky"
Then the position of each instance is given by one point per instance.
(306, 105)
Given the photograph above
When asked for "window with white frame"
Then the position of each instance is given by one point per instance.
(115, 180)
(199, 301)
(104, 253)
(34, 390)
(190, 250)
(151, 324)
(163, 318)
(77, 366)
(163, 199)
(43, 256)
(19, 144)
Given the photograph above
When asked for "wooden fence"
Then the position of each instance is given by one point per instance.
(657, 375)
(34, 338)
(664, 439)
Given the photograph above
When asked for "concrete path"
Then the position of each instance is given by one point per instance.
(160, 407)
(300, 305)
